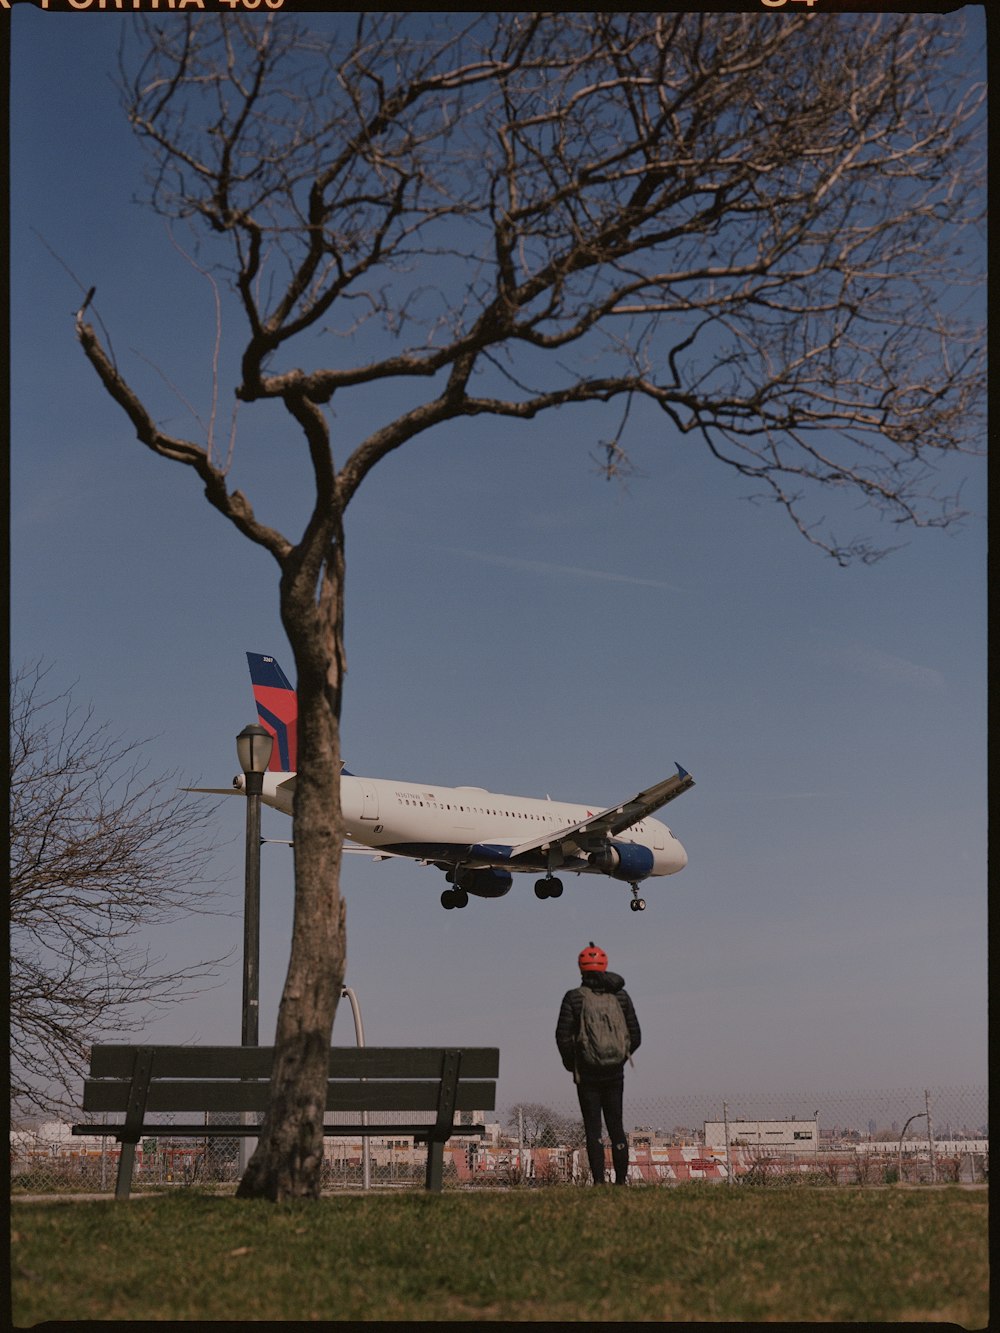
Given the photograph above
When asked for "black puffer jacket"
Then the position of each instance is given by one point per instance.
(569, 1023)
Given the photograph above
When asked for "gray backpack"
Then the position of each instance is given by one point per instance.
(602, 1041)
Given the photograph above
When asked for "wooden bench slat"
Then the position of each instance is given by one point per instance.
(236, 1095)
(398, 1062)
(346, 1131)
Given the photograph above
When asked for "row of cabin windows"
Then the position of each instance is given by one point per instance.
(478, 810)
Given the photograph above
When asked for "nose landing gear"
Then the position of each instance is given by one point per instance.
(637, 904)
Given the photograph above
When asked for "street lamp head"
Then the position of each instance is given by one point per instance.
(253, 745)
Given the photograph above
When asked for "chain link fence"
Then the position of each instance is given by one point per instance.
(870, 1137)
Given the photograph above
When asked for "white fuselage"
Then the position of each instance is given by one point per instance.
(445, 823)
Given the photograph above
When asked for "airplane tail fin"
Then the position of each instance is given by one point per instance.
(277, 710)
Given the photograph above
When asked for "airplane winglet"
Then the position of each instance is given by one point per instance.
(682, 772)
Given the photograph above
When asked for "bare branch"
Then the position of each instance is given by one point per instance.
(233, 505)
(775, 206)
(99, 851)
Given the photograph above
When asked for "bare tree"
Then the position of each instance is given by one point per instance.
(99, 852)
(758, 225)
(543, 1127)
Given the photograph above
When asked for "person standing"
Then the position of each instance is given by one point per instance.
(596, 1033)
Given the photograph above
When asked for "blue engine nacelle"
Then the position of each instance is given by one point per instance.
(623, 860)
(489, 883)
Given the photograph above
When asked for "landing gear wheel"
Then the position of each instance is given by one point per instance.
(461, 897)
(549, 888)
(448, 899)
(637, 904)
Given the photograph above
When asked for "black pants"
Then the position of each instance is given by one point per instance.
(597, 1099)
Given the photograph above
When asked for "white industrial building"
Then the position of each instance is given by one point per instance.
(784, 1134)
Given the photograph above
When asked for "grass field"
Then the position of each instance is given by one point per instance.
(686, 1253)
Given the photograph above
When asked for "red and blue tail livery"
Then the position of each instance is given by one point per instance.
(277, 709)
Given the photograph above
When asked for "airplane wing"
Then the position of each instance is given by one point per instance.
(593, 832)
(359, 849)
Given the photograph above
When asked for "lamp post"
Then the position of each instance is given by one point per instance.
(917, 1115)
(253, 746)
(359, 1036)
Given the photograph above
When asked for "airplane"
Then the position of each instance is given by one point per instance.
(479, 838)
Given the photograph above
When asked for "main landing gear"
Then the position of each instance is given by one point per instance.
(549, 888)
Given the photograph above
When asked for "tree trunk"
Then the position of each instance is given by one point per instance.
(289, 1156)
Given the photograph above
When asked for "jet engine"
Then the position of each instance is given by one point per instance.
(623, 860)
(489, 883)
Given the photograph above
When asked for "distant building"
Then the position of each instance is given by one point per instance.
(802, 1134)
(680, 1136)
(493, 1128)
(946, 1147)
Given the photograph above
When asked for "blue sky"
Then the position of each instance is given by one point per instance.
(517, 622)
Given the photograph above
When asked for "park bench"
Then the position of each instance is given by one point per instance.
(138, 1080)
